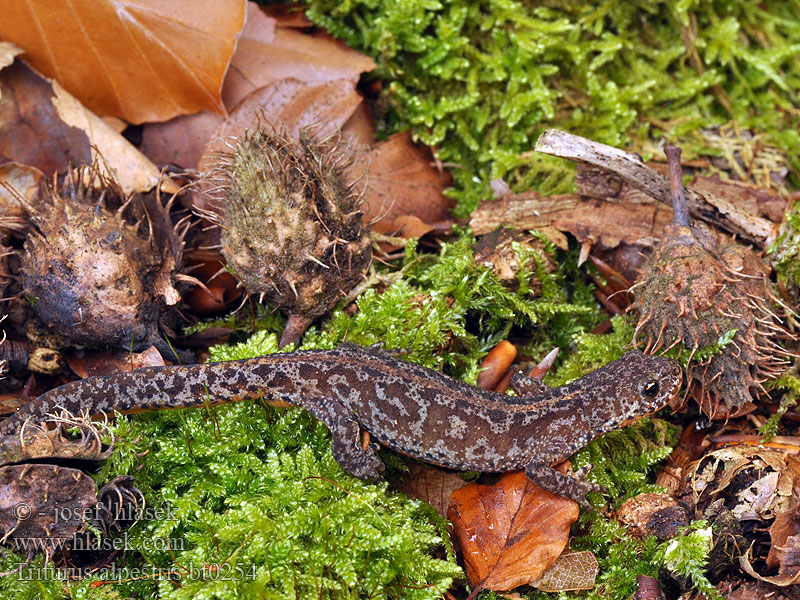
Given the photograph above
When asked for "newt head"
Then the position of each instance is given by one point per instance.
(650, 383)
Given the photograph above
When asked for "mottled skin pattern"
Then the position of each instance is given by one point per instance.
(409, 408)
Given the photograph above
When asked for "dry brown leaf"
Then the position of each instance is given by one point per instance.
(431, 484)
(109, 362)
(764, 481)
(31, 131)
(266, 54)
(181, 141)
(132, 170)
(789, 570)
(605, 224)
(43, 126)
(510, 532)
(785, 526)
(290, 105)
(7, 53)
(23, 179)
(402, 181)
(141, 60)
(360, 127)
(288, 15)
(571, 571)
(43, 502)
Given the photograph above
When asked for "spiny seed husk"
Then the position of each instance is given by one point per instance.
(697, 287)
(98, 265)
(292, 227)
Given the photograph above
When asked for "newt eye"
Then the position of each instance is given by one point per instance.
(650, 389)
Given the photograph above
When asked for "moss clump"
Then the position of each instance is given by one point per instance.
(255, 493)
(480, 81)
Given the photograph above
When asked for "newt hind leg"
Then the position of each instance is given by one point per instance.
(346, 438)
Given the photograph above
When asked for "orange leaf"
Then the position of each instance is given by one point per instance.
(509, 532)
(141, 60)
(495, 364)
(108, 362)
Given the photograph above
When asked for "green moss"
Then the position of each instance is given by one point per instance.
(785, 252)
(789, 383)
(256, 491)
(479, 81)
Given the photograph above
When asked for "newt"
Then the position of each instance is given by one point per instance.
(409, 408)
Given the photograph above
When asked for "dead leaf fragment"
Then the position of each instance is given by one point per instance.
(141, 60)
(132, 170)
(43, 126)
(402, 181)
(431, 484)
(789, 570)
(266, 54)
(7, 53)
(254, 65)
(44, 503)
(757, 483)
(510, 532)
(109, 362)
(785, 527)
(31, 131)
(571, 571)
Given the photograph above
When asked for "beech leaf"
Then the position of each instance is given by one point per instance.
(571, 571)
(402, 181)
(141, 60)
(510, 532)
(43, 126)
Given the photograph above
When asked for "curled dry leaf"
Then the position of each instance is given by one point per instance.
(784, 549)
(43, 126)
(141, 60)
(789, 569)
(758, 483)
(510, 532)
(495, 364)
